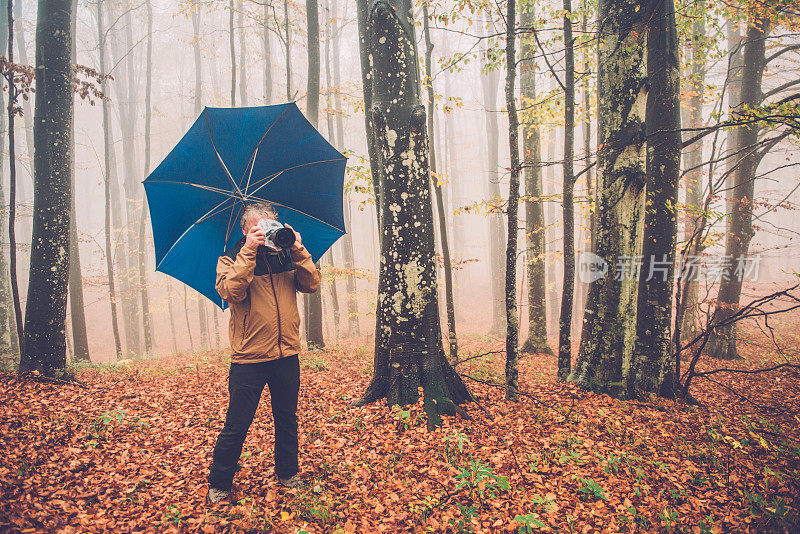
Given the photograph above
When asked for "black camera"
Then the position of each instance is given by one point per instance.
(278, 237)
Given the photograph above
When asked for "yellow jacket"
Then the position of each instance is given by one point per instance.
(265, 322)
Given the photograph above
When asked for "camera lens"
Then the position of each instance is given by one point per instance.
(284, 238)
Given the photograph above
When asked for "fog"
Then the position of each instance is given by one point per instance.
(462, 147)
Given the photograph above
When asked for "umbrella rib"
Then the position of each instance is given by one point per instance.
(199, 186)
(253, 156)
(252, 165)
(225, 168)
(202, 218)
(275, 175)
(307, 215)
(230, 219)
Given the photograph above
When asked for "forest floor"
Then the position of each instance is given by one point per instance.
(131, 452)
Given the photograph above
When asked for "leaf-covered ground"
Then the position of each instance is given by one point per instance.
(131, 453)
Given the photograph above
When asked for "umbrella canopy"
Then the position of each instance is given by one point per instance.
(231, 157)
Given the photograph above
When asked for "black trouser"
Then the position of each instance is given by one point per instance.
(245, 385)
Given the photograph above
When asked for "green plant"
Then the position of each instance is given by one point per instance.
(454, 444)
(612, 462)
(669, 516)
(423, 508)
(465, 521)
(592, 489)
(479, 476)
(527, 522)
(173, 516)
(775, 509)
(358, 423)
(404, 417)
(706, 524)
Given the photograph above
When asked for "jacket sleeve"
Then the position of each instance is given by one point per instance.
(234, 276)
(306, 275)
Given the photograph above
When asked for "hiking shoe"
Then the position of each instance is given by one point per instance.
(295, 482)
(217, 496)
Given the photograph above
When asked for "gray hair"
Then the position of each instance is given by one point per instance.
(264, 209)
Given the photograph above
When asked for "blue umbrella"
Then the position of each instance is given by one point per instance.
(233, 156)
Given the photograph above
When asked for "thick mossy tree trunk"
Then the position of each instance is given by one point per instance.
(722, 342)
(653, 357)
(408, 345)
(512, 315)
(44, 346)
(536, 342)
(610, 318)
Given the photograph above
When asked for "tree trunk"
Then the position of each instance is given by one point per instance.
(76, 307)
(146, 317)
(489, 84)
(375, 164)
(347, 239)
(288, 39)
(9, 355)
(198, 64)
(587, 131)
(125, 87)
(203, 320)
(653, 353)
(314, 300)
(24, 228)
(186, 312)
(267, 58)
(610, 318)
(171, 318)
(107, 180)
(448, 270)
(44, 345)
(735, 64)
(242, 57)
(693, 161)
(12, 177)
(536, 341)
(512, 318)
(232, 48)
(568, 286)
(722, 342)
(408, 344)
(550, 231)
(334, 296)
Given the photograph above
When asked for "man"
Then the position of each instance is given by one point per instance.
(260, 286)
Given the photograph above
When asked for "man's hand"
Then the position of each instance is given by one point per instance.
(298, 241)
(255, 238)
